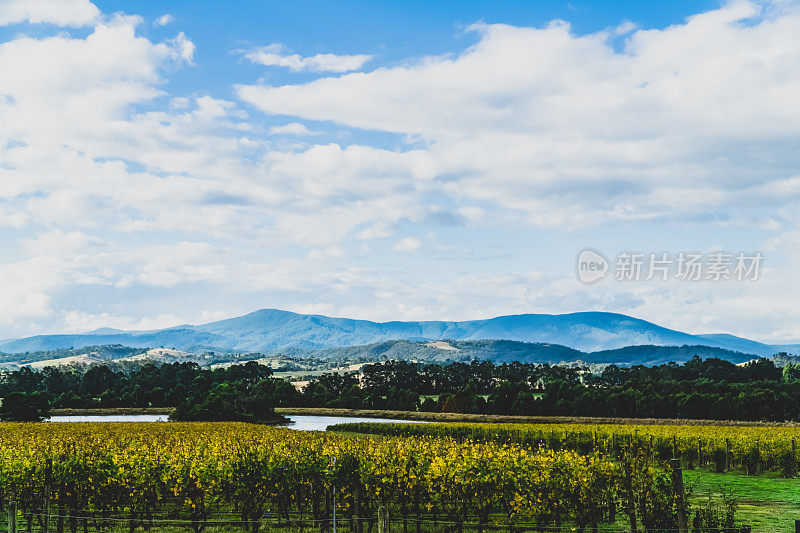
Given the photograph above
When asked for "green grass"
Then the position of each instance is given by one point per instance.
(766, 502)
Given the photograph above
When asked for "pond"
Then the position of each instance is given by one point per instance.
(297, 422)
(319, 423)
(109, 418)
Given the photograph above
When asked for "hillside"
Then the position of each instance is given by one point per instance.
(496, 351)
(490, 350)
(499, 351)
(271, 330)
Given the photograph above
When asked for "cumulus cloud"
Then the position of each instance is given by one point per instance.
(108, 182)
(118, 197)
(276, 55)
(163, 20)
(293, 128)
(409, 244)
(57, 243)
(183, 47)
(568, 129)
(56, 12)
(76, 321)
(82, 85)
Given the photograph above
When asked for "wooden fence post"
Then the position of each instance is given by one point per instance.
(12, 517)
(680, 503)
(383, 520)
(699, 452)
(629, 490)
(758, 456)
(48, 477)
(727, 454)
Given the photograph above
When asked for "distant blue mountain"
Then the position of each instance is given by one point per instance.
(177, 338)
(270, 330)
(791, 349)
(738, 343)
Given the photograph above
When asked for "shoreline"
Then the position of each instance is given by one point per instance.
(412, 416)
(110, 411)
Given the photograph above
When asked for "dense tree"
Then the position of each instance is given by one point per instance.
(24, 407)
(791, 372)
(700, 388)
(231, 401)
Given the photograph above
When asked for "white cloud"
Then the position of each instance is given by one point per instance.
(83, 86)
(183, 47)
(56, 12)
(76, 321)
(625, 28)
(375, 231)
(163, 20)
(564, 130)
(275, 55)
(26, 289)
(408, 244)
(293, 128)
(118, 198)
(57, 243)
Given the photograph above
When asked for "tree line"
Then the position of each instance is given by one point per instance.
(244, 392)
(699, 388)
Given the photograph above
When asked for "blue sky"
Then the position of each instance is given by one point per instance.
(173, 162)
(392, 31)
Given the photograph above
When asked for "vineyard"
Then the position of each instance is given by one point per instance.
(751, 449)
(76, 477)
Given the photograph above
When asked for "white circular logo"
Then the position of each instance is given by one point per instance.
(591, 266)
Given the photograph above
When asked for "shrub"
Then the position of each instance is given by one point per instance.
(23, 407)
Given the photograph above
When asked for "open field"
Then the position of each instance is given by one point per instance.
(767, 502)
(316, 373)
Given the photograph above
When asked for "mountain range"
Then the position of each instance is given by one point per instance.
(273, 330)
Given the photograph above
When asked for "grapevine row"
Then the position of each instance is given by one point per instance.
(751, 449)
(196, 471)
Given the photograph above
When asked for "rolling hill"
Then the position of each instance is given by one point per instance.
(500, 351)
